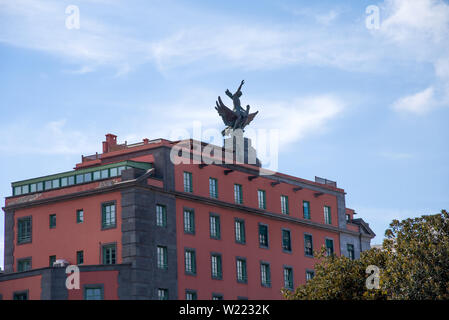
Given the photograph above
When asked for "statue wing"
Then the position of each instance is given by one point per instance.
(226, 114)
(250, 118)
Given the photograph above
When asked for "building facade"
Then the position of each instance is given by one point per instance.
(140, 224)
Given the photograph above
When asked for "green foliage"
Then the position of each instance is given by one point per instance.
(414, 264)
(419, 264)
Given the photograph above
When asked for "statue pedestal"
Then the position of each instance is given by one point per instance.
(239, 149)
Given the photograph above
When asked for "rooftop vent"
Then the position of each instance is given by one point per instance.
(326, 182)
(60, 263)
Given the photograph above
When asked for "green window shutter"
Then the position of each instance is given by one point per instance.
(188, 187)
(52, 260)
(109, 254)
(308, 244)
(52, 218)
(79, 257)
(161, 215)
(286, 240)
(80, 216)
(306, 209)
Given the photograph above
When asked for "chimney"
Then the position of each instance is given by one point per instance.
(146, 141)
(111, 140)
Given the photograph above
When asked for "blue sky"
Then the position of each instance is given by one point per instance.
(365, 107)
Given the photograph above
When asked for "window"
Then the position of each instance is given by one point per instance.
(55, 183)
(329, 247)
(93, 293)
(286, 240)
(17, 191)
(20, 295)
(52, 221)
(191, 295)
(120, 169)
(214, 223)
(327, 215)
(40, 186)
(188, 182)
(48, 185)
(33, 187)
(161, 216)
(113, 172)
(80, 216)
(162, 294)
(309, 275)
(104, 173)
(348, 217)
(24, 230)
(108, 215)
(284, 204)
(64, 182)
(350, 248)
(261, 199)
(241, 270)
(217, 296)
(263, 235)
(96, 175)
(162, 257)
(308, 245)
(240, 231)
(88, 177)
(25, 189)
(306, 209)
(190, 261)
(79, 178)
(213, 188)
(238, 196)
(109, 254)
(51, 260)
(288, 277)
(216, 266)
(189, 221)
(265, 275)
(23, 264)
(80, 257)
(71, 181)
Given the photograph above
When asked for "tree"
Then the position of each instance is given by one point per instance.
(418, 267)
(414, 264)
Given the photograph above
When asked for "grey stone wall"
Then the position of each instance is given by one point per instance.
(9, 241)
(346, 238)
(140, 238)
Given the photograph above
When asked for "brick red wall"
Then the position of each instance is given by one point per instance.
(32, 284)
(107, 278)
(229, 249)
(68, 237)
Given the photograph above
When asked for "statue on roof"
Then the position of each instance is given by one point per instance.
(238, 118)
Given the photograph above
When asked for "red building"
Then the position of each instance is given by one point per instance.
(139, 226)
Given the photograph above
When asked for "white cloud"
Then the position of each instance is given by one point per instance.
(41, 26)
(295, 119)
(327, 18)
(418, 103)
(418, 19)
(54, 137)
(420, 29)
(278, 47)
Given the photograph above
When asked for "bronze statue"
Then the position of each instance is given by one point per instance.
(238, 118)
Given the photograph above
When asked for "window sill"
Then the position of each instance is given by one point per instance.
(108, 227)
